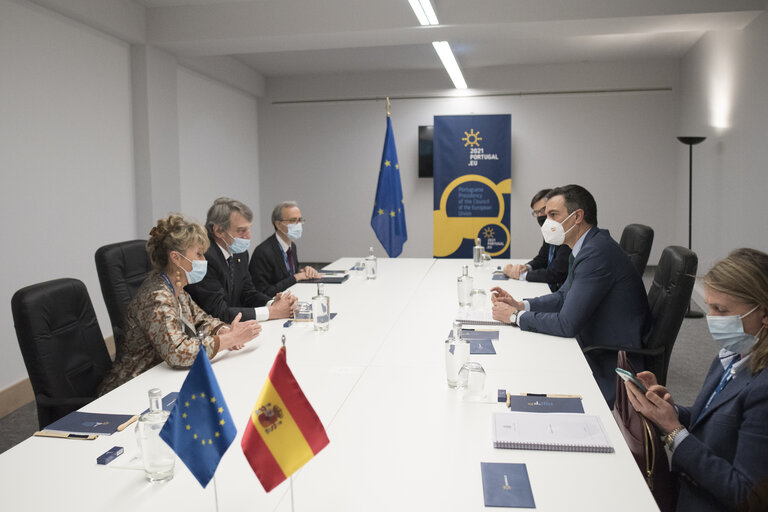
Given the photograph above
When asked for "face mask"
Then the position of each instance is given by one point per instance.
(238, 244)
(199, 269)
(540, 219)
(553, 231)
(294, 231)
(728, 332)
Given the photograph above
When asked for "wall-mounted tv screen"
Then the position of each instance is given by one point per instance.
(426, 134)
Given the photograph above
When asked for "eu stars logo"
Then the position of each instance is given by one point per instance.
(200, 428)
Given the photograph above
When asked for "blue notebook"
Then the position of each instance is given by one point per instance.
(499, 276)
(480, 342)
(534, 403)
(89, 423)
(506, 485)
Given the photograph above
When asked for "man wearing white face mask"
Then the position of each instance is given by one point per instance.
(275, 263)
(227, 289)
(603, 301)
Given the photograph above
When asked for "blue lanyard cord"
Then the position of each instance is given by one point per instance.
(168, 281)
(724, 380)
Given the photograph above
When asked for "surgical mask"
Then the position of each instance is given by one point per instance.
(238, 244)
(553, 231)
(728, 332)
(294, 231)
(199, 269)
(541, 219)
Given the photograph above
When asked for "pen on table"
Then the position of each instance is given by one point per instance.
(127, 423)
(65, 435)
(550, 395)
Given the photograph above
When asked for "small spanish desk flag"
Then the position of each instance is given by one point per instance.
(283, 432)
(200, 428)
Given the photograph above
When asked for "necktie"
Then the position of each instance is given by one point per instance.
(551, 255)
(291, 266)
(231, 268)
(570, 270)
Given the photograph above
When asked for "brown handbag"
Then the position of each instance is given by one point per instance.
(644, 441)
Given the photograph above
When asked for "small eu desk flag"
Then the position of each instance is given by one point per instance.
(283, 432)
(388, 219)
(200, 428)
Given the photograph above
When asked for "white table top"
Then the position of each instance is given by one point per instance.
(400, 438)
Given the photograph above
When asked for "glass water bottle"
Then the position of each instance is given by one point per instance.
(370, 265)
(464, 287)
(156, 455)
(456, 354)
(477, 253)
(321, 309)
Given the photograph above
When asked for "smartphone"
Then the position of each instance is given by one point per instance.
(631, 377)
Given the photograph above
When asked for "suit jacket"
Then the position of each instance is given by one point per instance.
(603, 304)
(555, 273)
(223, 296)
(267, 267)
(724, 457)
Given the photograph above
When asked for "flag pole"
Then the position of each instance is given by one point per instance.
(215, 493)
(388, 107)
(291, 478)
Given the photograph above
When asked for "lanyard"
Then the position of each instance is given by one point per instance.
(181, 314)
(724, 380)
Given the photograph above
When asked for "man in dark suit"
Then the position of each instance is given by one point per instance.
(275, 263)
(551, 264)
(603, 301)
(227, 289)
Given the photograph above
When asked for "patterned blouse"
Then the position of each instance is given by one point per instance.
(157, 330)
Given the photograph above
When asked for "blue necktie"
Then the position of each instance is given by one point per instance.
(551, 255)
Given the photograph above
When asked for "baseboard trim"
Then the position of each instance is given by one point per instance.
(15, 396)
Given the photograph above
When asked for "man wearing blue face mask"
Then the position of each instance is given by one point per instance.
(227, 289)
(275, 264)
(603, 301)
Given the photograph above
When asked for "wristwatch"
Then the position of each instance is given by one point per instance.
(514, 318)
(669, 438)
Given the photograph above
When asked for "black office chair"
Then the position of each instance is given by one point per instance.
(668, 299)
(122, 267)
(636, 240)
(62, 346)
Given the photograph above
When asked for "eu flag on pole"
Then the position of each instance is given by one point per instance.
(200, 428)
(388, 219)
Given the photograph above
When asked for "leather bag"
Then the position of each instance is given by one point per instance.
(644, 441)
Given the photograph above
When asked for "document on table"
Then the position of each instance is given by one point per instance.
(506, 485)
(563, 432)
(477, 317)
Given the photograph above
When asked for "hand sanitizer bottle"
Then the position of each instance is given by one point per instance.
(464, 287)
(456, 354)
(157, 457)
(370, 265)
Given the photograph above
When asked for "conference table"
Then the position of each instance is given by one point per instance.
(400, 438)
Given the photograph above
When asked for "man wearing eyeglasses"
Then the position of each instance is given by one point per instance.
(274, 263)
(551, 264)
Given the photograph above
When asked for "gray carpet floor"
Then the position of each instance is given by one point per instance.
(691, 357)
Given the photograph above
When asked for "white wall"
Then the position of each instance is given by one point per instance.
(724, 84)
(65, 157)
(218, 146)
(621, 146)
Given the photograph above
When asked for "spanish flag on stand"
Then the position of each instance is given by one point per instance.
(284, 431)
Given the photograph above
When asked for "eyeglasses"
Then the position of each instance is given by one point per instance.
(300, 220)
(539, 212)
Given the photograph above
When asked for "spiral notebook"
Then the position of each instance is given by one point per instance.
(477, 317)
(563, 432)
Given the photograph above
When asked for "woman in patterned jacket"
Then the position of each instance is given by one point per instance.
(162, 321)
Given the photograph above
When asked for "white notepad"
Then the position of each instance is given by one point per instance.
(565, 432)
(477, 317)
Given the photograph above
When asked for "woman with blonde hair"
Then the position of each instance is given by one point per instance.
(162, 322)
(718, 446)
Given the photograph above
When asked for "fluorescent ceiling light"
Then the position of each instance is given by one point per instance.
(443, 50)
(424, 12)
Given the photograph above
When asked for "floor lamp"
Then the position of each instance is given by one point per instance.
(690, 142)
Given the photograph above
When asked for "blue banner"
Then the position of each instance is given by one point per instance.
(472, 165)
